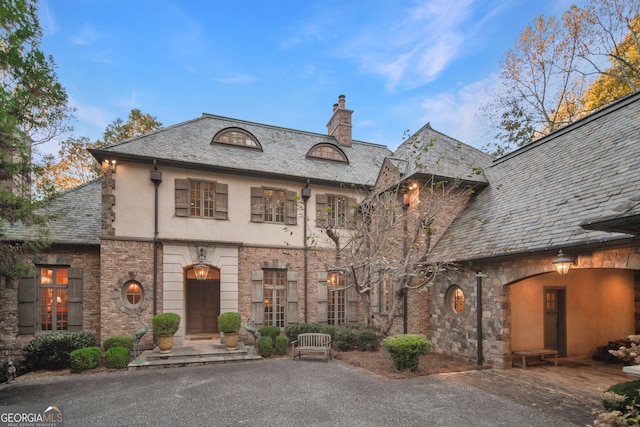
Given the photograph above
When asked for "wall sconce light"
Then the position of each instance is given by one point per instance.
(201, 270)
(109, 165)
(562, 264)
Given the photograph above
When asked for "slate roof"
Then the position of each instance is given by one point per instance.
(433, 153)
(79, 213)
(284, 153)
(539, 196)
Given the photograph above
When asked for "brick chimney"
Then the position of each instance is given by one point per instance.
(340, 124)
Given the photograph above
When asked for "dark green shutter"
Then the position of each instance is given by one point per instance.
(27, 305)
(182, 197)
(75, 299)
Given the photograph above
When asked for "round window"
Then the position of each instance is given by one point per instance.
(133, 293)
(455, 300)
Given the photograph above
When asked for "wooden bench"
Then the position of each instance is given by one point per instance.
(312, 343)
(541, 353)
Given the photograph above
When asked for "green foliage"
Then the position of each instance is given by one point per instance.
(282, 342)
(84, 359)
(269, 331)
(166, 323)
(229, 322)
(118, 341)
(116, 357)
(629, 390)
(346, 339)
(265, 346)
(405, 350)
(368, 340)
(292, 331)
(53, 351)
(3, 372)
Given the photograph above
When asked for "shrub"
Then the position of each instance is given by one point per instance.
(368, 340)
(84, 359)
(229, 322)
(292, 331)
(3, 372)
(282, 342)
(346, 339)
(628, 390)
(405, 350)
(265, 346)
(118, 341)
(270, 331)
(116, 357)
(53, 351)
(166, 323)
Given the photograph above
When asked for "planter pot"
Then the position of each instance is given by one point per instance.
(231, 340)
(165, 343)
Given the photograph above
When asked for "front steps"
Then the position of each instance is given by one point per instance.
(192, 354)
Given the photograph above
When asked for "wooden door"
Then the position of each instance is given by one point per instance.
(555, 320)
(203, 306)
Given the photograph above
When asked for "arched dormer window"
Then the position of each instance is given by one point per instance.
(327, 152)
(236, 136)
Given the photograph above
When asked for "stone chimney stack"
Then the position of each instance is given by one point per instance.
(340, 124)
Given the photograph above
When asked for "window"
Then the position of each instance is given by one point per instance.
(336, 298)
(334, 210)
(328, 152)
(203, 199)
(273, 205)
(54, 298)
(385, 293)
(133, 293)
(236, 136)
(274, 297)
(455, 300)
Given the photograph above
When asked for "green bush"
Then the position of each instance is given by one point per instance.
(265, 346)
(84, 359)
(166, 323)
(52, 351)
(292, 331)
(282, 342)
(627, 389)
(229, 322)
(3, 372)
(368, 340)
(405, 350)
(116, 357)
(118, 341)
(269, 331)
(346, 339)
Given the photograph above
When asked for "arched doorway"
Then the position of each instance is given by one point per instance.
(203, 302)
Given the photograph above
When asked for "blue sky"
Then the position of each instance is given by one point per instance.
(400, 63)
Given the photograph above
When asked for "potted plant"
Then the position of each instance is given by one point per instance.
(229, 325)
(165, 325)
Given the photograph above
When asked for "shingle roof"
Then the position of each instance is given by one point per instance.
(79, 214)
(539, 195)
(284, 151)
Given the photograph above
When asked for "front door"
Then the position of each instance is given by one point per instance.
(555, 336)
(203, 306)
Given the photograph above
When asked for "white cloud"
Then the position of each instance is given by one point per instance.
(236, 79)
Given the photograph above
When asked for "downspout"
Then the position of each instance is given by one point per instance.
(306, 194)
(156, 177)
(479, 277)
(405, 252)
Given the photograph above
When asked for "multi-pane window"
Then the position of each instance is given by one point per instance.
(202, 199)
(336, 298)
(133, 293)
(337, 210)
(274, 293)
(334, 210)
(385, 293)
(326, 151)
(274, 205)
(54, 298)
(237, 137)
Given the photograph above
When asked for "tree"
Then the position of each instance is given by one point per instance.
(74, 165)
(558, 71)
(33, 109)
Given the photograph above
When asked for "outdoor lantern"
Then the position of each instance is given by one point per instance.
(201, 270)
(562, 264)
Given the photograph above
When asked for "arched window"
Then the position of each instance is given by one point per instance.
(454, 299)
(236, 136)
(328, 152)
(133, 293)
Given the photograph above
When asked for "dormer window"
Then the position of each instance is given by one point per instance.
(328, 152)
(235, 136)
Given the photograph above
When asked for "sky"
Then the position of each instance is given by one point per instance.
(400, 63)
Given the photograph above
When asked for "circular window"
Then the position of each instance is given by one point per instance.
(133, 293)
(455, 300)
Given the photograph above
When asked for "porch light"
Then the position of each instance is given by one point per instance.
(562, 264)
(201, 270)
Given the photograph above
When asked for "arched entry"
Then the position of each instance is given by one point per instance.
(203, 302)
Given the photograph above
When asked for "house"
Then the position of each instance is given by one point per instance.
(218, 214)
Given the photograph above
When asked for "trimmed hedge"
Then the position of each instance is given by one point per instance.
(84, 359)
(405, 350)
(265, 346)
(118, 341)
(269, 331)
(292, 331)
(282, 342)
(52, 351)
(116, 357)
